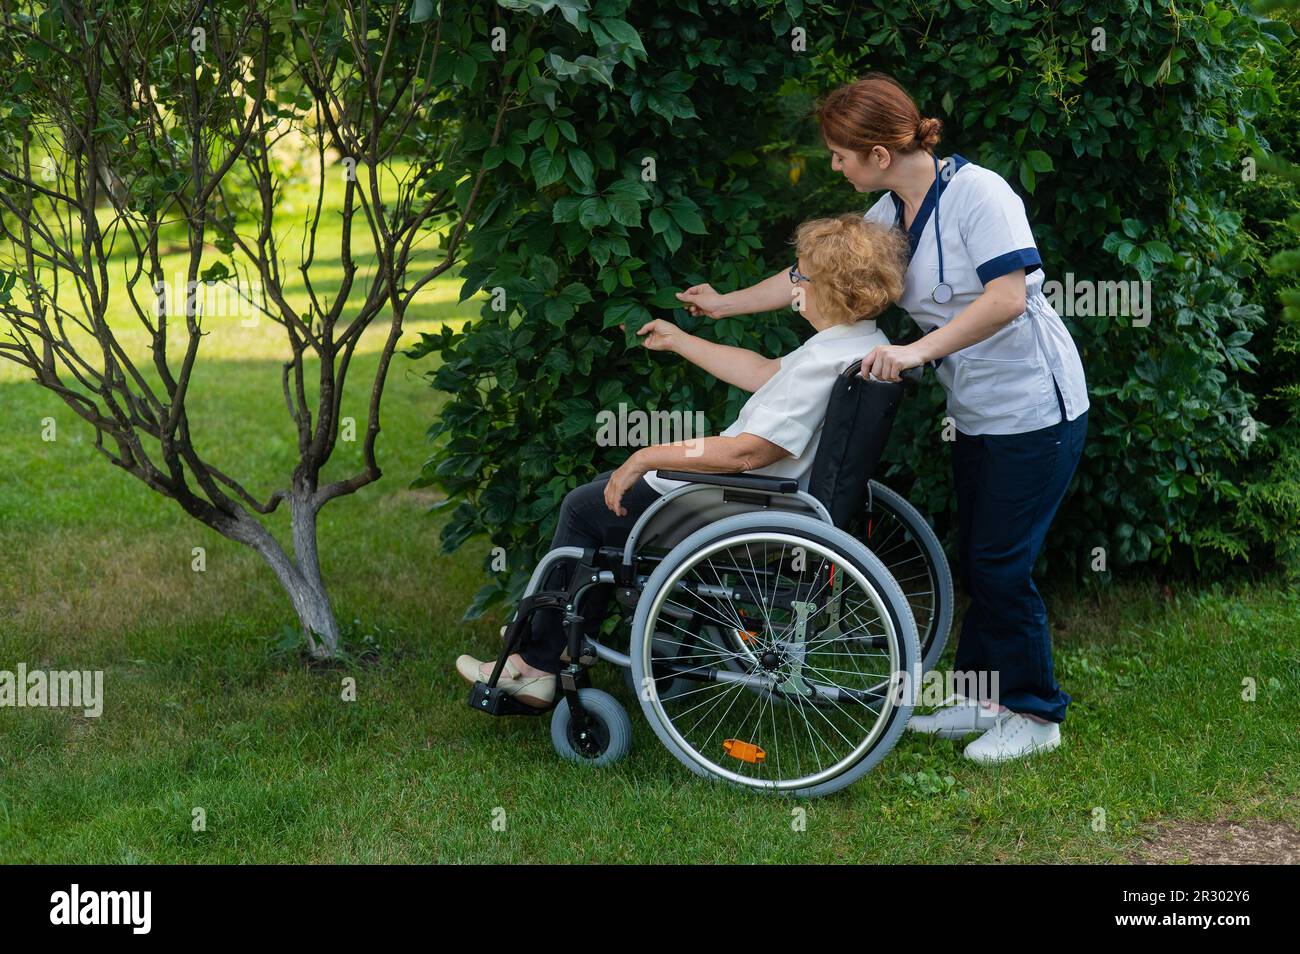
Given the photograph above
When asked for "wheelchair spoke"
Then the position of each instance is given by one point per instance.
(891, 536)
(762, 603)
(677, 625)
(702, 601)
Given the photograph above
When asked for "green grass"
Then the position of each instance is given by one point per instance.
(203, 711)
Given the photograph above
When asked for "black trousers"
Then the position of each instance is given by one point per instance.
(585, 521)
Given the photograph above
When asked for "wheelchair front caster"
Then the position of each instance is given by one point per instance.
(607, 736)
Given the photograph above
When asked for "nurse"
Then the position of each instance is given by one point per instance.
(1015, 386)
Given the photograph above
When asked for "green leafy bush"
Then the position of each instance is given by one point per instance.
(1125, 144)
(622, 175)
(1268, 516)
(1124, 128)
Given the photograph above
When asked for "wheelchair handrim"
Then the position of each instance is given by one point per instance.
(879, 604)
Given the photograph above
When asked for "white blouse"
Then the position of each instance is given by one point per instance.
(789, 408)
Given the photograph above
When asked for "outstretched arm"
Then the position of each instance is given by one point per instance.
(770, 294)
(743, 368)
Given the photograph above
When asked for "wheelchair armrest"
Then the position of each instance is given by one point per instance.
(760, 482)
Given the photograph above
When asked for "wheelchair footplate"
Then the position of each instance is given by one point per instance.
(496, 701)
(486, 696)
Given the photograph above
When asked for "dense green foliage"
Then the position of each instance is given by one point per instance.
(622, 175)
(1127, 146)
(1269, 511)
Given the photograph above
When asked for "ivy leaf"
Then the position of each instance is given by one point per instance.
(673, 237)
(659, 220)
(1027, 177)
(558, 311)
(625, 209)
(216, 272)
(630, 188)
(488, 596)
(593, 213)
(581, 165)
(1039, 161)
(666, 298)
(1158, 251)
(422, 10)
(576, 293)
(466, 69)
(686, 214)
(624, 33)
(625, 311)
(547, 167)
(566, 209)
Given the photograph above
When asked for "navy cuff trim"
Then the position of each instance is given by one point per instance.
(1026, 258)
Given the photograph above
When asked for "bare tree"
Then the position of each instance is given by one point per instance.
(142, 115)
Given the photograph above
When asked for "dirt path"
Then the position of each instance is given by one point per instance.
(1221, 843)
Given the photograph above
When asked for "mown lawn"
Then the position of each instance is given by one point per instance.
(203, 710)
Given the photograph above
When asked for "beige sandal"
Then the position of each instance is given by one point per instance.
(536, 691)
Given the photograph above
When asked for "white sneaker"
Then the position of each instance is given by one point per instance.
(954, 721)
(1013, 736)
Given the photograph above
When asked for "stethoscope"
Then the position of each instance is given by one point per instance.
(941, 294)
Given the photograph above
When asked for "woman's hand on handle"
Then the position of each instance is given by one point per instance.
(887, 362)
(702, 300)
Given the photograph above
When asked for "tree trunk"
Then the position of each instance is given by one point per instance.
(300, 576)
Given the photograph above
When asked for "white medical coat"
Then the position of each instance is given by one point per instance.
(1004, 384)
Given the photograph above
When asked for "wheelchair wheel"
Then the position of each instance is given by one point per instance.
(610, 730)
(904, 542)
(814, 689)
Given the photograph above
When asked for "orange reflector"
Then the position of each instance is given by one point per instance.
(745, 751)
(748, 635)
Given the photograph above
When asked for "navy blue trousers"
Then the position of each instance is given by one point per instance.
(1009, 487)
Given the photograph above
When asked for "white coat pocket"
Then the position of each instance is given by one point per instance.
(985, 387)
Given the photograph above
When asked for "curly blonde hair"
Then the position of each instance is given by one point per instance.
(857, 267)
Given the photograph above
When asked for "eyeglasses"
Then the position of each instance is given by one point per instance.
(797, 276)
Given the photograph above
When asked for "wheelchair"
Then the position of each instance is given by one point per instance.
(777, 635)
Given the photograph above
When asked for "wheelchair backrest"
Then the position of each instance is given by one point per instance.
(854, 431)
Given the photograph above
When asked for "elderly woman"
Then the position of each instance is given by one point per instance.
(848, 271)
